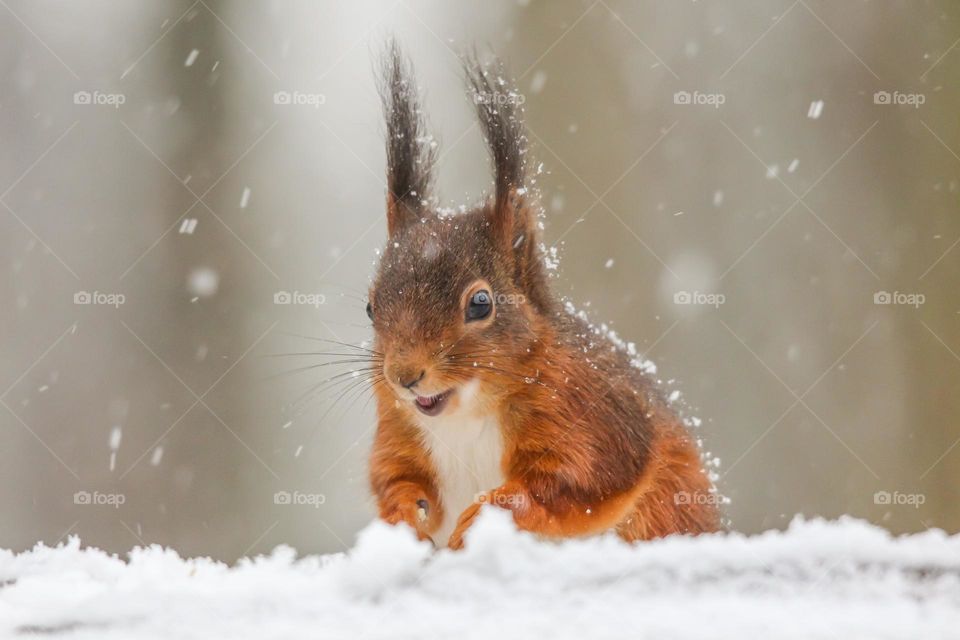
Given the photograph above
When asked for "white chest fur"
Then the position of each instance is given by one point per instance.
(466, 452)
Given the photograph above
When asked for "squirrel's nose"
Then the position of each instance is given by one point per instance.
(411, 381)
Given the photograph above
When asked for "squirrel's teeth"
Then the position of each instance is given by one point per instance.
(428, 402)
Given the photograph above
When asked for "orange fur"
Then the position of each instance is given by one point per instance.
(588, 443)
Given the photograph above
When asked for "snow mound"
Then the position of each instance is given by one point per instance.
(843, 579)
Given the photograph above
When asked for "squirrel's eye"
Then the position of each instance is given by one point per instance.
(480, 305)
(370, 311)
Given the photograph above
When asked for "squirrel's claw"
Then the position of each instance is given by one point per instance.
(412, 519)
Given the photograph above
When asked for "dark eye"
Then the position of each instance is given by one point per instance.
(480, 305)
(370, 311)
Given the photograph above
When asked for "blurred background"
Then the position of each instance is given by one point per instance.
(761, 195)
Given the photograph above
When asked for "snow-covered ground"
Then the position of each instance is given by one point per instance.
(819, 579)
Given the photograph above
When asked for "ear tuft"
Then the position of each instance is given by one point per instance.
(499, 107)
(500, 110)
(514, 211)
(410, 152)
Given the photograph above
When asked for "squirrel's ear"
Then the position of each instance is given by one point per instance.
(410, 152)
(513, 213)
(499, 107)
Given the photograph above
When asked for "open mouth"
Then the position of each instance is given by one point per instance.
(432, 405)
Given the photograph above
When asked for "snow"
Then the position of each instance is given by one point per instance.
(203, 282)
(115, 436)
(188, 226)
(538, 82)
(819, 579)
(551, 258)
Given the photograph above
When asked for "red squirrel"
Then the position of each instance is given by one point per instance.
(491, 392)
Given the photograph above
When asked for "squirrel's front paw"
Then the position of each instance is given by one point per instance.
(414, 514)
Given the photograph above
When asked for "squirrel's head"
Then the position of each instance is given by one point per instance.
(457, 297)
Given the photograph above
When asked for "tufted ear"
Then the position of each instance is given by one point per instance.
(500, 110)
(513, 213)
(501, 118)
(410, 154)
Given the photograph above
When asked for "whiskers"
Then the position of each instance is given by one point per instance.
(363, 374)
(464, 365)
(348, 372)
